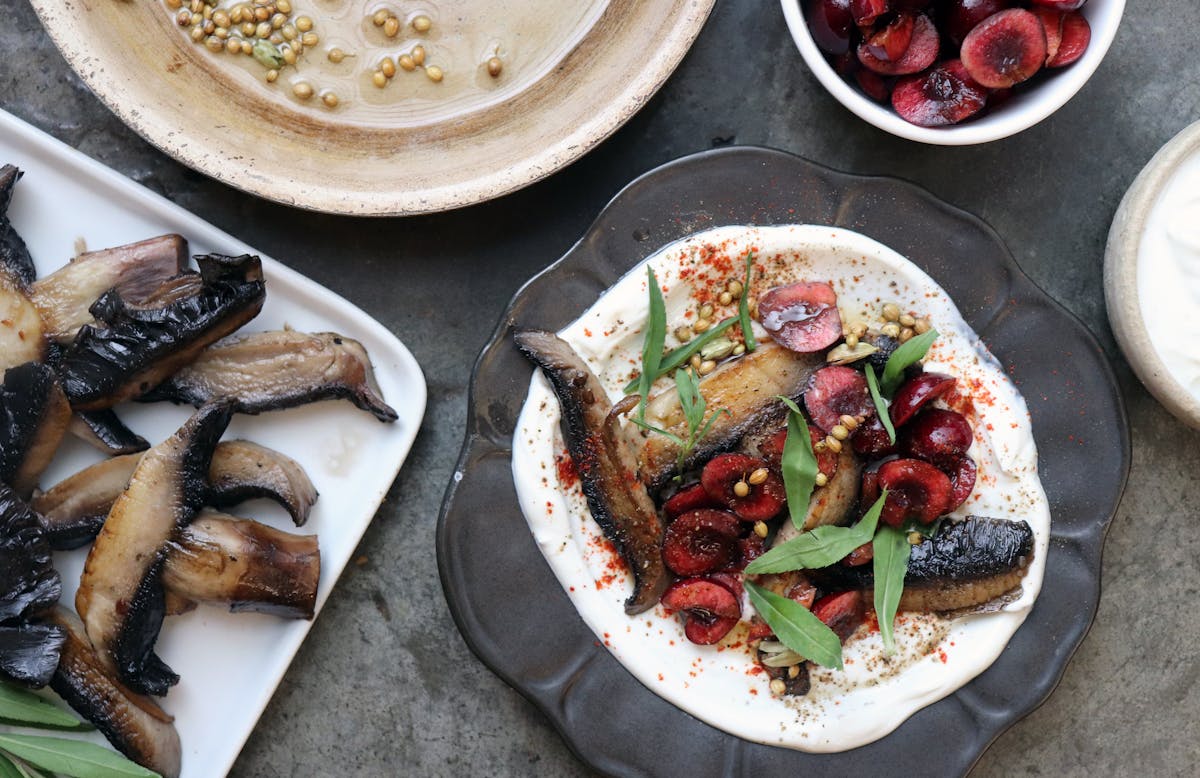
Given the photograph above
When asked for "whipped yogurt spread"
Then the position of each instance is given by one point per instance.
(1168, 274)
(721, 684)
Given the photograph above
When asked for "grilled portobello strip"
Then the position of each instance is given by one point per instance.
(135, 347)
(748, 387)
(133, 723)
(22, 338)
(618, 502)
(73, 511)
(14, 255)
(245, 565)
(136, 270)
(105, 430)
(967, 564)
(120, 595)
(34, 416)
(29, 585)
(269, 371)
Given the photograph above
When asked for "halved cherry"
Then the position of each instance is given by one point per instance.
(873, 85)
(865, 12)
(1052, 23)
(915, 392)
(723, 474)
(962, 481)
(802, 592)
(802, 316)
(758, 630)
(701, 541)
(959, 17)
(921, 52)
(1004, 49)
(772, 451)
(916, 490)
(1076, 35)
(870, 489)
(861, 555)
(830, 23)
(890, 42)
(841, 612)
(1061, 5)
(751, 548)
(710, 609)
(871, 440)
(938, 436)
(827, 461)
(730, 579)
(940, 96)
(689, 498)
(834, 392)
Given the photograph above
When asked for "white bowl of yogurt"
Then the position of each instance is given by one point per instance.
(1152, 275)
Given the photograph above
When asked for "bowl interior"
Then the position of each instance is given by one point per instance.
(1021, 112)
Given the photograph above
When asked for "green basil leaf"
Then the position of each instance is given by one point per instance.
(892, 550)
(905, 355)
(652, 346)
(881, 406)
(75, 758)
(796, 627)
(18, 706)
(8, 769)
(677, 357)
(799, 464)
(744, 305)
(819, 547)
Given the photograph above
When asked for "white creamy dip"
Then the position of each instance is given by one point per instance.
(721, 684)
(1168, 274)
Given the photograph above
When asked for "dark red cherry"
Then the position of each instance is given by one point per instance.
(841, 612)
(920, 54)
(710, 610)
(1076, 35)
(1005, 48)
(830, 23)
(915, 392)
(802, 316)
(916, 490)
(962, 481)
(871, 440)
(940, 96)
(689, 498)
(701, 542)
(834, 392)
(959, 17)
(762, 501)
(938, 436)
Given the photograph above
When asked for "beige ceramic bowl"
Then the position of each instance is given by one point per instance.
(1121, 276)
(225, 123)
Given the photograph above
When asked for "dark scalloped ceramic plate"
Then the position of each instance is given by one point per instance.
(515, 616)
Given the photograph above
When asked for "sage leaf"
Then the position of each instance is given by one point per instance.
(881, 406)
(18, 706)
(74, 758)
(796, 627)
(744, 305)
(906, 354)
(799, 464)
(652, 347)
(819, 547)
(677, 357)
(892, 550)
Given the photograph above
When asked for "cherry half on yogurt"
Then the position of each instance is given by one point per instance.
(914, 393)
(803, 316)
(834, 392)
(916, 490)
(937, 436)
(701, 541)
(710, 609)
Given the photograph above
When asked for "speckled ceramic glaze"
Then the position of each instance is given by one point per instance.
(222, 122)
(516, 617)
(1121, 276)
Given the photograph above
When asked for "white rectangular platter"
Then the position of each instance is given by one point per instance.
(230, 664)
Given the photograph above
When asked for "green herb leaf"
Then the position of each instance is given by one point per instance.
(652, 347)
(796, 627)
(71, 757)
(819, 547)
(892, 550)
(25, 770)
(905, 355)
(694, 407)
(678, 357)
(799, 464)
(648, 426)
(744, 305)
(18, 706)
(8, 768)
(881, 406)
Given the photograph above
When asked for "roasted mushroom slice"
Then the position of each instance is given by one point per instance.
(21, 336)
(135, 271)
(105, 430)
(245, 565)
(120, 595)
(133, 723)
(29, 585)
(134, 348)
(73, 511)
(268, 371)
(34, 416)
(14, 255)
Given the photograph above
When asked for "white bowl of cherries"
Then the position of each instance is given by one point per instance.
(953, 72)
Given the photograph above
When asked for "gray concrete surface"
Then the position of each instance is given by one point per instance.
(385, 685)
